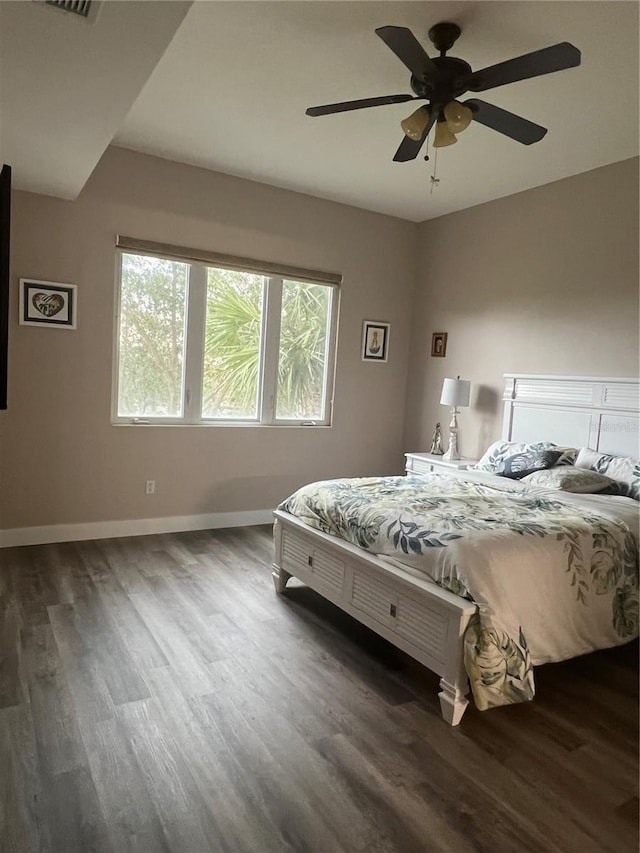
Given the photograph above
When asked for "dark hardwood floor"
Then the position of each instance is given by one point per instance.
(156, 695)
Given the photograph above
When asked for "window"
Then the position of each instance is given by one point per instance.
(153, 310)
(198, 343)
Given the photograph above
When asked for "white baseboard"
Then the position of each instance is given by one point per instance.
(133, 527)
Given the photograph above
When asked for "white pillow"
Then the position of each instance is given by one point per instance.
(569, 479)
(623, 469)
(493, 458)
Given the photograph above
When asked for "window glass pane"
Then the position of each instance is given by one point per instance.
(232, 345)
(302, 361)
(153, 294)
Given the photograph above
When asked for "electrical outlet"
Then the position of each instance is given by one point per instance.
(150, 487)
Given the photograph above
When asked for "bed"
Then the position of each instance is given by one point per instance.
(479, 577)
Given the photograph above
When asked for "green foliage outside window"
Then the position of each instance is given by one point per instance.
(152, 335)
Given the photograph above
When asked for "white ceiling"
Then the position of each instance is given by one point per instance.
(66, 84)
(230, 91)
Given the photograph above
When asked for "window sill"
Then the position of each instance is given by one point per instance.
(231, 424)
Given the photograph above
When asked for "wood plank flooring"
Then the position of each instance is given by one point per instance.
(156, 695)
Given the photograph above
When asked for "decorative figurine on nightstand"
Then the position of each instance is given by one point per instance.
(436, 442)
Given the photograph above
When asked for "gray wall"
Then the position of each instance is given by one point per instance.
(545, 281)
(63, 462)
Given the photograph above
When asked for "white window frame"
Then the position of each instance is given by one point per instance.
(194, 352)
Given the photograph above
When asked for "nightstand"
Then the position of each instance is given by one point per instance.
(425, 463)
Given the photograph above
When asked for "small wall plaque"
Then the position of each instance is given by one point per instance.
(439, 344)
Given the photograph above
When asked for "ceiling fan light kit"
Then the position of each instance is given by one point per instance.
(443, 79)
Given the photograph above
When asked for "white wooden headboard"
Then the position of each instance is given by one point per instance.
(576, 411)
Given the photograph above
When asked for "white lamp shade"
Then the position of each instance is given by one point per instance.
(455, 392)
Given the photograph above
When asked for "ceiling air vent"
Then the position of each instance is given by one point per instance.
(78, 7)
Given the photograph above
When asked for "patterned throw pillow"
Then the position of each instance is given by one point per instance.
(494, 456)
(520, 464)
(569, 479)
(623, 469)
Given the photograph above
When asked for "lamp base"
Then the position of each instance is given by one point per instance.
(452, 450)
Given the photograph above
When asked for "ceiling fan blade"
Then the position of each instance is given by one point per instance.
(505, 122)
(410, 148)
(344, 106)
(408, 50)
(550, 59)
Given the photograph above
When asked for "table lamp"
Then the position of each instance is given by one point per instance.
(455, 392)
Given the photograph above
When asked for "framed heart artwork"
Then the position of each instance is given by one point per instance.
(47, 303)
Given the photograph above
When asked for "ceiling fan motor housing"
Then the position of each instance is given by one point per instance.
(448, 85)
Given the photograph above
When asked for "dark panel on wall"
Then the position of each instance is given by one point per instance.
(5, 231)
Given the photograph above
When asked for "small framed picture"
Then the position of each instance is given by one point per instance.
(47, 303)
(439, 344)
(375, 341)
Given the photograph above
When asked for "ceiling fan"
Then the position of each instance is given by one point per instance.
(442, 80)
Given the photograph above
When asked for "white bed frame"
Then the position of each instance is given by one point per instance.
(414, 614)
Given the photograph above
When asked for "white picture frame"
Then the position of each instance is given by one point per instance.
(48, 303)
(375, 340)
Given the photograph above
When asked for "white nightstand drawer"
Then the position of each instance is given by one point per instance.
(418, 466)
(425, 463)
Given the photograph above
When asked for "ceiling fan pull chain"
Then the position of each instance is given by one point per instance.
(434, 180)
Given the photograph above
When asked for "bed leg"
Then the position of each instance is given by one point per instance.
(280, 578)
(453, 702)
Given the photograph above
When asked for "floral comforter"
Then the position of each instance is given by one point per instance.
(554, 575)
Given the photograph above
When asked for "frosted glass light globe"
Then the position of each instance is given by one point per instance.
(444, 136)
(458, 116)
(414, 125)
